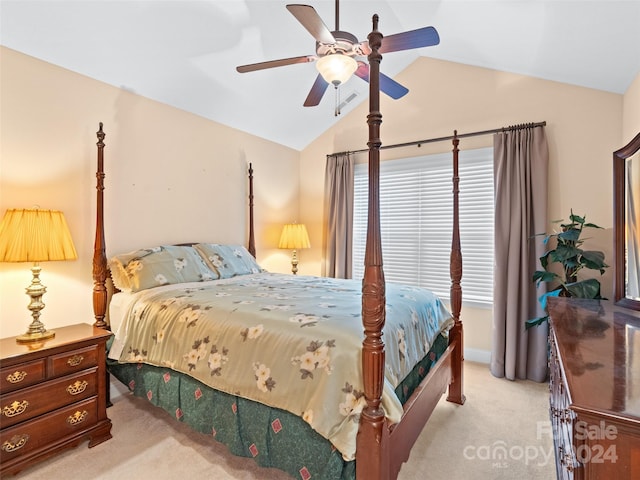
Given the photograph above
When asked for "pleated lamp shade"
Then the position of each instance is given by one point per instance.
(33, 235)
(294, 236)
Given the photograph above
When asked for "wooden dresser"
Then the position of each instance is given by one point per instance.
(52, 396)
(595, 389)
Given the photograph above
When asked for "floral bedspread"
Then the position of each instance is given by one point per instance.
(291, 342)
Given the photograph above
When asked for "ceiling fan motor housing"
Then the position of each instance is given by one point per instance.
(345, 43)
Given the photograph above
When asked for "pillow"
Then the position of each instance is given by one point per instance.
(152, 267)
(228, 260)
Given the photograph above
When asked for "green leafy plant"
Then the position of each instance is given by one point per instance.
(569, 253)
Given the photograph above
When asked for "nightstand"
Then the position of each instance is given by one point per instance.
(52, 396)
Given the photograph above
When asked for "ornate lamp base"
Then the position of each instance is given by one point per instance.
(36, 337)
(294, 262)
(36, 332)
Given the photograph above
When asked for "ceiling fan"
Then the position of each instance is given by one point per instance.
(339, 54)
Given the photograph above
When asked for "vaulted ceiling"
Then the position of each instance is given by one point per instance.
(184, 53)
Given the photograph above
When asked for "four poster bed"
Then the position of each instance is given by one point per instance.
(383, 396)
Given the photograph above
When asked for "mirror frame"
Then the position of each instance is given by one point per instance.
(619, 205)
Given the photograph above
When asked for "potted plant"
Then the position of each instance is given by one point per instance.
(569, 253)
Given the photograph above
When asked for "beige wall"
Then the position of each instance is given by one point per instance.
(631, 112)
(170, 177)
(584, 127)
(160, 159)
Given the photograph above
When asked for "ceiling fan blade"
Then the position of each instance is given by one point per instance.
(422, 37)
(275, 63)
(362, 71)
(392, 88)
(387, 84)
(310, 20)
(316, 92)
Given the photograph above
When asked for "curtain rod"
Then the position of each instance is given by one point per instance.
(451, 137)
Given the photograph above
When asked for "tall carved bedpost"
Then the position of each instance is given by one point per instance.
(372, 420)
(252, 240)
(99, 256)
(456, 394)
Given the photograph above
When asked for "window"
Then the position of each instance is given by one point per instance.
(416, 215)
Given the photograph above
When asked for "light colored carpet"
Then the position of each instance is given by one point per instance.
(502, 432)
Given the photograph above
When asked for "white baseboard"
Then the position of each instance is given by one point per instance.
(477, 355)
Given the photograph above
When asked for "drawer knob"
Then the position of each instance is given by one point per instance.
(75, 360)
(77, 388)
(15, 443)
(77, 418)
(16, 377)
(16, 408)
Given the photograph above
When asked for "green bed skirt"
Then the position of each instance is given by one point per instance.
(273, 437)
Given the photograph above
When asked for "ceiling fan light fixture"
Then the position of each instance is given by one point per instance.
(336, 68)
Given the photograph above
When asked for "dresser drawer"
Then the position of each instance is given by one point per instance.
(44, 431)
(73, 361)
(30, 402)
(23, 375)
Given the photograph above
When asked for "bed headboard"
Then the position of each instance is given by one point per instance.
(100, 267)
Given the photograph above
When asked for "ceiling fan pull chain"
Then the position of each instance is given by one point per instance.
(337, 109)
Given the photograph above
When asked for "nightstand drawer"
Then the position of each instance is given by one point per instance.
(31, 402)
(73, 361)
(44, 431)
(20, 376)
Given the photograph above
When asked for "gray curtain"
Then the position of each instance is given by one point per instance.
(338, 215)
(521, 159)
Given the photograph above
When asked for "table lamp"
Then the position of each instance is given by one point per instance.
(294, 236)
(34, 235)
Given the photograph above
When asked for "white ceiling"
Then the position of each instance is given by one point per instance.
(184, 53)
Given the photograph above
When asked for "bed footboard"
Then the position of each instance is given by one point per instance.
(456, 391)
(417, 410)
(393, 447)
(371, 456)
(383, 448)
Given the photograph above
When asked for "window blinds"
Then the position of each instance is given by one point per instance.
(416, 216)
